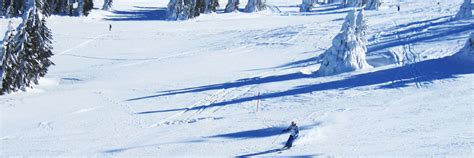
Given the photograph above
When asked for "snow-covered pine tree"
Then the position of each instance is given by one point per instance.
(255, 6)
(352, 3)
(214, 5)
(181, 9)
(232, 6)
(373, 4)
(465, 11)
(12, 8)
(210, 6)
(29, 59)
(306, 5)
(88, 6)
(9, 62)
(107, 5)
(45, 48)
(80, 8)
(174, 9)
(361, 28)
(466, 54)
(2, 8)
(347, 52)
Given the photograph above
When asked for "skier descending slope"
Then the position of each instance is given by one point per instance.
(294, 134)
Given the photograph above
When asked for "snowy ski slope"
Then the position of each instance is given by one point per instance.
(153, 88)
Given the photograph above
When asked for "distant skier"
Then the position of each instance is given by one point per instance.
(398, 8)
(110, 27)
(294, 134)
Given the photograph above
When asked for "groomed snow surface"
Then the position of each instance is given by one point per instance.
(190, 88)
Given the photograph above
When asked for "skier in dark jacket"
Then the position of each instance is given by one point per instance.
(294, 134)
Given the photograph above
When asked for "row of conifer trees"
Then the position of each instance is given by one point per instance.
(188, 9)
(15, 8)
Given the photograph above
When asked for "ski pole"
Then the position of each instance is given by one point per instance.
(277, 137)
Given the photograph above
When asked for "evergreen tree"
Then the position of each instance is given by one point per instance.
(89, 5)
(255, 6)
(373, 4)
(213, 5)
(14, 8)
(182, 9)
(465, 11)
(9, 62)
(27, 53)
(306, 5)
(347, 52)
(232, 6)
(107, 5)
(361, 28)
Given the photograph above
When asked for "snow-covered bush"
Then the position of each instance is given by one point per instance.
(466, 54)
(465, 11)
(232, 5)
(348, 50)
(373, 4)
(255, 6)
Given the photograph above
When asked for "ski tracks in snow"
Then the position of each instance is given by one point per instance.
(190, 114)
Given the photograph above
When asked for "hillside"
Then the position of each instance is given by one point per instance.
(152, 87)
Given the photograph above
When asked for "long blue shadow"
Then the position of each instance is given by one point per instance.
(235, 84)
(419, 73)
(418, 34)
(261, 133)
(141, 14)
(261, 153)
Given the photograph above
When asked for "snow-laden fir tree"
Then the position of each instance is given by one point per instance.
(306, 5)
(255, 6)
(107, 5)
(12, 8)
(347, 52)
(16, 8)
(361, 28)
(352, 3)
(9, 61)
(182, 9)
(2, 9)
(232, 6)
(466, 54)
(28, 52)
(465, 11)
(206, 6)
(372, 4)
(210, 6)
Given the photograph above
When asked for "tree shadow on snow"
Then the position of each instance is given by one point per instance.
(141, 14)
(235, 84)
(424, 30)
(276, 151)
(418, 73)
